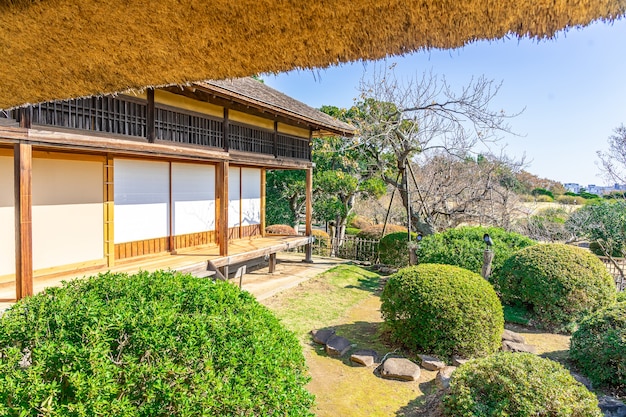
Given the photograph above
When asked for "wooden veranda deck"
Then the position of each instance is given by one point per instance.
(192, 260)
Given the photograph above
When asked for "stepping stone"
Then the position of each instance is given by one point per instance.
(611, 407)
(431, 363)
(583, 380)
(458, 361)
(337, 345)
(321, 336)
(400, 368)
(513, 337)
(509, 346)
(443, 377)
(365, 357)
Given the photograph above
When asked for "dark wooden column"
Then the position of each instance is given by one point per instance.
(275, 139)
(309, 213)
(221, 203)
(150, 116)
(226, 130)
(263, 198)
(23, 160)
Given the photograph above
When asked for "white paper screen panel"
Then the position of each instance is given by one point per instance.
(250, 196)
(7, 217)
(67, 212)
(234, 195)
(141, 195)
(193, 195)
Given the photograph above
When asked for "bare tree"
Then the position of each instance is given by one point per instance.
(613, 162)
(400, 120)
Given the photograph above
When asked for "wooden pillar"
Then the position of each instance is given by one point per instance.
(221, 205)
(309, 213)
(263, 197)
(226, 130)
(272, 263)
(109, 209)
(150, 116)
(23, 159)
(275, 139)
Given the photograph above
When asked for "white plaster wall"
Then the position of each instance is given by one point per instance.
(68, 206)
(7, 216)
(193, 195)
(141, 200)
(234, 195)
(250, 196)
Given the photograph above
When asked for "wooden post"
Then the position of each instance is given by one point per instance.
(309, 214)
(263, 197)
(109, 209)
(150, 116)
(487, 260)
(23, 159)
(226, 130)
(221, 197)
(272, 263)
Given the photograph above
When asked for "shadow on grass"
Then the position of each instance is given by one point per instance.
(367, 281)
(427, 405)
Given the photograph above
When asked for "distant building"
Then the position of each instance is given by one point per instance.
(572, 187)
(594, 189)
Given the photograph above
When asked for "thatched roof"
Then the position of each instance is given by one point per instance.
(252, 92)
(55, 49)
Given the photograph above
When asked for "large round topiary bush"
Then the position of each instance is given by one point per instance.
(464, 247)
(517, 384)
(599, 346)
(151, 344)
(443, 310)
(376, 231)
(393, 249)
(557, 283)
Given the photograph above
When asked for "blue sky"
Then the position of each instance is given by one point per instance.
(573, 89)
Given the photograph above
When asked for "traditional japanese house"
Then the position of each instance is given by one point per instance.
(99, 181)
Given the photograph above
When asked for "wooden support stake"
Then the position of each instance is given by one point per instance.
(309, 214)
(272, 263)
(221, 197)
(23, 159)
(487, 261)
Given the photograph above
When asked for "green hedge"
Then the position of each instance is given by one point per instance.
(557, 283)
(443, 310)
(393, 249)
(464, 247)
(151, 344)
(599, 346)
(517, 384)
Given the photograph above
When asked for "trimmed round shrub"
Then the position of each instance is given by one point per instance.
(280, 229)
(442, 310)
(558, 284)
(464, 247)
(150, 344)
(393, 249)
(376, 231)
(360, 222)
(599, 346)
(322, 237)
(517, 384)
(352, 231)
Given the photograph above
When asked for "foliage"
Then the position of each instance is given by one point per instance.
(570, 199)
(599, 346)
(285, 197)
(375, 232)
(360, 222)
(280, 229)
(621, 296)
(464, 247)
(603, 224)
(352, 231)
(543, 199)
(393, 249)
(150, 344)
(540, 191)
(517, 384)
(557, 283)
(444, 310)
(516, 314)
(321, 237)
(547, 225)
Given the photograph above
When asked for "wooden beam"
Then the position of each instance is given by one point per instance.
(109, 208)
(221, 205)
(309, 213)
(150, 116)
(263, 197)
(23, 160)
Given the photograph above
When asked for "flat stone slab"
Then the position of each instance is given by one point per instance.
(337, 345)
(431, 363)
(365, 357)
(401, 369)
(611, 407)
(443, 377)
(321, 336)
(458, 361)
(513, 337)
(509, 346)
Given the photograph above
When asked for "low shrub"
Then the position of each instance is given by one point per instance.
(280, 229)
(543, 199)
(443, 310)
(558, 284)
(376, 232)
(352, 231)
(360, 222)
(599, 346)
(570, 200)
(150, 344)
(321, 237)
(393, 249)
(517, 384)
(464, 247)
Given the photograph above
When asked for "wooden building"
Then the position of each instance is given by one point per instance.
(92, 182)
